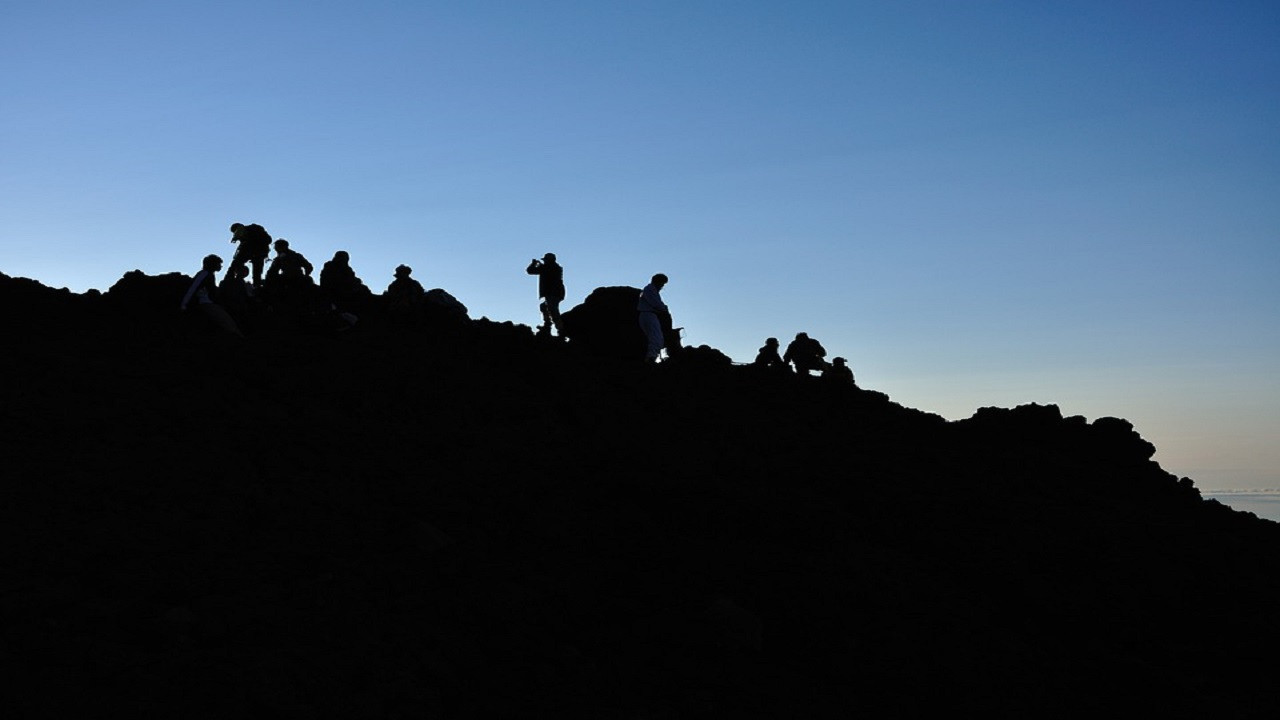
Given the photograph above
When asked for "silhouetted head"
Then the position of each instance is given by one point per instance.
(802, 336)
(212, 263)
(403, 271)
(341, 257)
(659, 280)
(281, 244)
(549, 257)
(237, 227)
(838, 362)
(771, 342)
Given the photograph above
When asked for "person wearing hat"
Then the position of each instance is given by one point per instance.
(838, 372)
(404, 294)
(769, 359)
(550, 290)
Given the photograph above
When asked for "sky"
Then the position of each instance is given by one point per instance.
(978, 203)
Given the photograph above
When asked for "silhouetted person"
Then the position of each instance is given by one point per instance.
(404, 294)
(340, 284)
(838, 372)
(652, 311)
(550, 289)
(254, 244)
(235, 294)
(290, 272)
(768, 357)
(806, 354)
(202, 296)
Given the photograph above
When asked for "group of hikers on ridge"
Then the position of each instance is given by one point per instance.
(287, 283)
(807, 355)
(341, 295)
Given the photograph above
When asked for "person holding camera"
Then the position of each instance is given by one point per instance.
(550, 290)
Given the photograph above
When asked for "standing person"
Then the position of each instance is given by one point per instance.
(203, 293)
(254, 246)
(651, 310)
(550, 290)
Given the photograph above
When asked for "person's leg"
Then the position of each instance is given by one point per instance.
(653, 332)
(237, 261)
(552, 313)
(220, 319)
(545, 327)
(258, 263)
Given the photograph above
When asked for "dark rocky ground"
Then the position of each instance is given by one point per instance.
(460, 520)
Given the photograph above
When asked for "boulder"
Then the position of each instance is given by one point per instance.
(605, 325)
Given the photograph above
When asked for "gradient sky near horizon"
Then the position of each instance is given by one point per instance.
(977, 203)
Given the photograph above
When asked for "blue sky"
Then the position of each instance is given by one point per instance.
(977, 203)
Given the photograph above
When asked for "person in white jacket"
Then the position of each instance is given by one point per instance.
(202, 295)
(651, 309)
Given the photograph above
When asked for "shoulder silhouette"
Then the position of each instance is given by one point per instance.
(202, 297)
(806, 354)
(769, 359)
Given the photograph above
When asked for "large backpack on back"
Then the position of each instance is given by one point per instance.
(255, 239)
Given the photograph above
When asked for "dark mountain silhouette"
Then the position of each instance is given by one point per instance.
(455, 518)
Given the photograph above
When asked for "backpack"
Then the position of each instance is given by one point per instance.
(254, 237)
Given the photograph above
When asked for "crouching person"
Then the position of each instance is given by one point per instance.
(839, 373)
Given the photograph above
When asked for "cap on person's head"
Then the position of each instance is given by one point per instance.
(771, 341)
(235, 227)
(660, 279)
(549, 257)
(403, 271)
(839, 361)
(282, 243)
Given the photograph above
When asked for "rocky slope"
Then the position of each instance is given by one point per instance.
(459, 519)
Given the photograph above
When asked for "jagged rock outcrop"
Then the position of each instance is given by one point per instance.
(605, 325)
(461, 520)
(146, 293)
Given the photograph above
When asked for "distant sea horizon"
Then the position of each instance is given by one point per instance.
(1263, 503)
